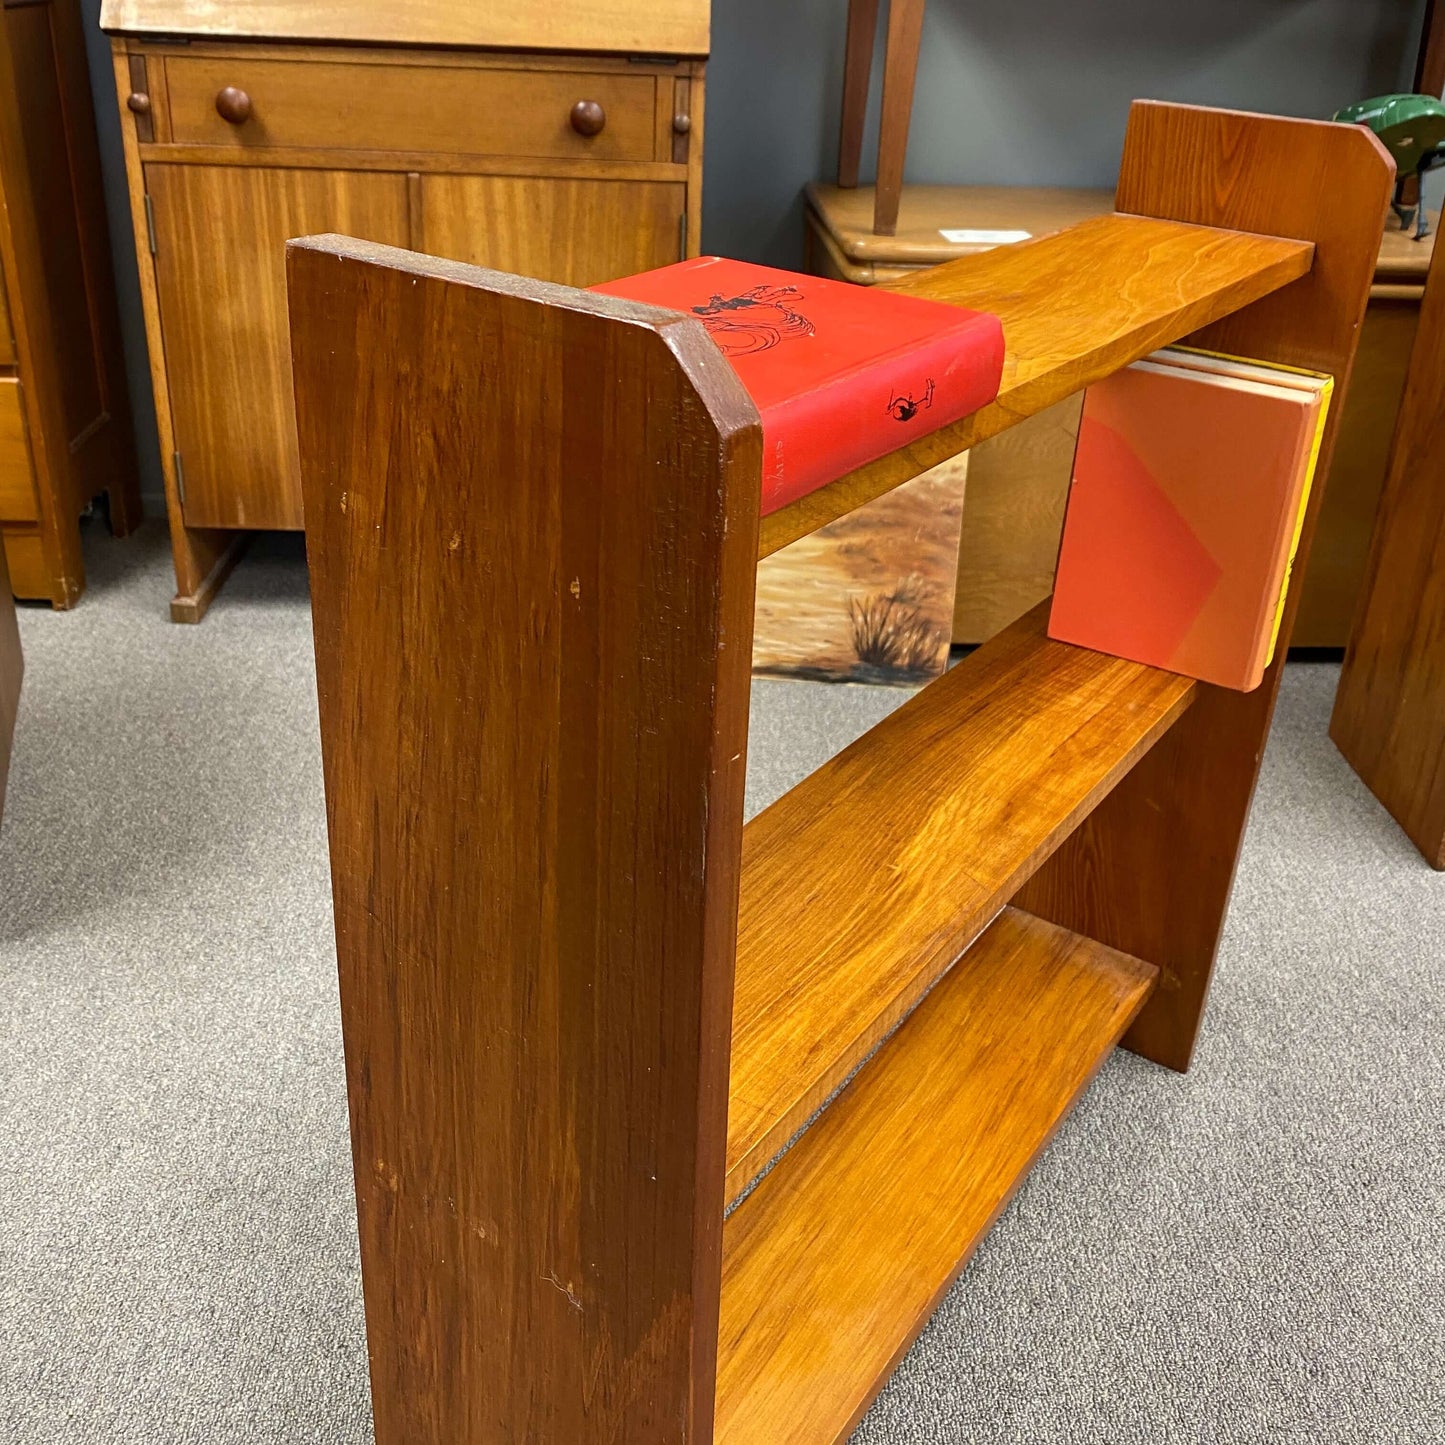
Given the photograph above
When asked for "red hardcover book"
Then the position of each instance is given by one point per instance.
(840, 374)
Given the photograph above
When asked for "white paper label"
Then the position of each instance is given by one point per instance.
(983, 238)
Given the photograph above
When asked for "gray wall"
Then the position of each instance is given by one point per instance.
(1027, 92)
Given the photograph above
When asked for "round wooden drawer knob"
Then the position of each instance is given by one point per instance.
(138, 103)
(681, 124)
(588, 117)
(233, 105)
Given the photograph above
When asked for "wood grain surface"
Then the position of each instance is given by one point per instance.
(221, 234)
(202, 559)
(866, 881)
(1150, 872)
(1389, 715)
(834, 1263)
(577, 231)
(17, 486)
(626, 27)
(1331, 588)
(857, 72)
(900, 71)
(1075, 306)
(7, 333)
(531, 527)
(1008, 546)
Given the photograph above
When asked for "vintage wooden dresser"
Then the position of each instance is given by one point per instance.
(559, 140)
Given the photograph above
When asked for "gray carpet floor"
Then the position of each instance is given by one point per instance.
(1251, 1252)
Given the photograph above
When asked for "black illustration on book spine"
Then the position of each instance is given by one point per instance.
(907, 406)
(754, 321)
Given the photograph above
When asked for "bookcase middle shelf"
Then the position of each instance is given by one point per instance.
(857, 892)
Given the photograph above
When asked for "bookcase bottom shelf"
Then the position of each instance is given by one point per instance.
(836, 1260)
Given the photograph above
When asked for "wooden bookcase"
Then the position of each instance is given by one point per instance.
(584, 1007)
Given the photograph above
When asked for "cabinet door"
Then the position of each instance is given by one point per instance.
(220, 265)
(575, 231)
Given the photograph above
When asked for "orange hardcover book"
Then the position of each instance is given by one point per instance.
(1190, 481)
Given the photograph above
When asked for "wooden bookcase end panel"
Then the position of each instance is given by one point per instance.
(531, 525)
(1150, 872)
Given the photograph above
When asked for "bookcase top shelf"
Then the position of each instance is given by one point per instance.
(1075, 306)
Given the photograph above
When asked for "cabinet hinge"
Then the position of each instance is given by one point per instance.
(180, 476)
(150, 223)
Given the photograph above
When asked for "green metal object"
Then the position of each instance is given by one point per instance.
(1412, 129)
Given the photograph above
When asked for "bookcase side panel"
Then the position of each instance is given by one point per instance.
(531, 525)
(1150, 873)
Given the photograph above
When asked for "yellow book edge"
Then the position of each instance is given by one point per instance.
(1326, 392)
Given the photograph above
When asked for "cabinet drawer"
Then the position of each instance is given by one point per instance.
(454, 109)
(17, 490)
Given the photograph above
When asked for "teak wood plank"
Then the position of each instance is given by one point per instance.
(833, 1264)
(1151, 871)
(531, 521)
(862, 885)
(1075, 306)
(1389, 714)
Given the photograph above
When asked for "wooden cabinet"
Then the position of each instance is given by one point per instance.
(568, 167)
(65, 427)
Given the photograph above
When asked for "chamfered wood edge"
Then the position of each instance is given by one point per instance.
(713, 378)
(328, 275)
